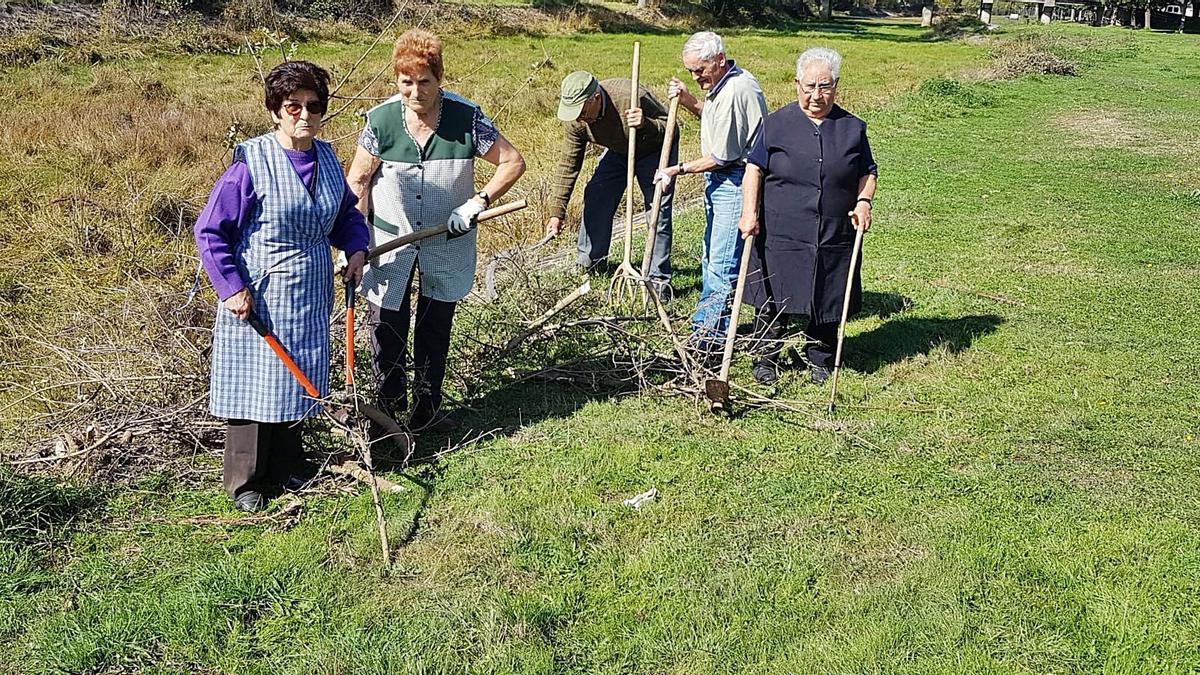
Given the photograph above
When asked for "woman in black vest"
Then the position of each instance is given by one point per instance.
(812, 167)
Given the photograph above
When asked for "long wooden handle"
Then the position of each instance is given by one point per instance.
(837, 357)
(630, 178)
(261, 328)
(656, 203)
(731, 334)
(399, 242)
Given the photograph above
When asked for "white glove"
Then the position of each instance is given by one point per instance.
(663, 179)
(462, 219)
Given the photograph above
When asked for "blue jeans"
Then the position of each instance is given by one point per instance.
(602, 197)
(722, 252)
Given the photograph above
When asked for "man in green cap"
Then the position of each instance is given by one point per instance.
(601, 112)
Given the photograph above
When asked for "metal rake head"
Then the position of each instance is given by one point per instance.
(625, 285)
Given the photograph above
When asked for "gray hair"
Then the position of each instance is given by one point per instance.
(820, 55)
(705, 45)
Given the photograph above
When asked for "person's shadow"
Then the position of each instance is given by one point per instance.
(905, 337)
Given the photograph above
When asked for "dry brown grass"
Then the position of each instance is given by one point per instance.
(1113, 129)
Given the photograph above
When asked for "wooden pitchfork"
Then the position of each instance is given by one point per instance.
(627, 278)
(656, 202)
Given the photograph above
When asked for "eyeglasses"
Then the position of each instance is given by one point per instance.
(314, 108)
(823, 87)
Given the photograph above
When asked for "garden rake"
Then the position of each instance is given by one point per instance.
(627, 279)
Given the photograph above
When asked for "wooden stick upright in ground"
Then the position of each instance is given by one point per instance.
(360, 439)
(656, 203)
(718, 390)
(837, 357)
(625, 279)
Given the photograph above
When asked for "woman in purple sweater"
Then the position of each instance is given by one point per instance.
(264, 241)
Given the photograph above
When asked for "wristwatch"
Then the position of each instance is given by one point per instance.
(487, 201)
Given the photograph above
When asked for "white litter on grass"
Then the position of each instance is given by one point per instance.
(641, 500)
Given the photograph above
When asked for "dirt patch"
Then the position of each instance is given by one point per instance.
(1121, 130)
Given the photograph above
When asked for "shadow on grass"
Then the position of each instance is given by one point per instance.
(37, 512)
(897, 340)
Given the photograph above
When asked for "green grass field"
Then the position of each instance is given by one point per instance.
(1010, 485)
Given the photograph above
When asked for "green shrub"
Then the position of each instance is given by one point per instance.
(944, 91)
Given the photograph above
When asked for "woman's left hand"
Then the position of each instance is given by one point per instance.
(861, 216)
(354, 267)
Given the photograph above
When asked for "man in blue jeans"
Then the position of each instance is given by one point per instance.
(603, 112)
(730, 113)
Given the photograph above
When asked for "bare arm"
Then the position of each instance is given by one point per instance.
(751, 189)
(509, 166)
(362, 170)
(861, 215)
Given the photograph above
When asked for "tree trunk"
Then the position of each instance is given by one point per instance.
(826, 10)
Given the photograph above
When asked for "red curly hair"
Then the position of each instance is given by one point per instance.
(415, 50)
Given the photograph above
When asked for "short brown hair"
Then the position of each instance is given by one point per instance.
(291, 76)
(417, 49)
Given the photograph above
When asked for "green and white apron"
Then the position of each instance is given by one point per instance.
(416, 188)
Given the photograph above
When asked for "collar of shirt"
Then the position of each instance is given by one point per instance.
(733, 71)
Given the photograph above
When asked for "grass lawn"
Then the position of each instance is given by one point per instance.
(1011, 488)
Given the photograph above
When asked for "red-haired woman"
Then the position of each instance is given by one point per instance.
(414, 169)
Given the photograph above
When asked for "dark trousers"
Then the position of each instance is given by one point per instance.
(258, 454)
(603, 195)
(431, 347)
(772, 328)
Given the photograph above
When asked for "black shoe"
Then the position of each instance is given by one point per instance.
(818, 374)
(298, 479)
(434, 423)
(765, 372)
(250, 501)
(662, 288)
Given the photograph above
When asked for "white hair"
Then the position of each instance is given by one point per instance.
(820, 55)
(705, 45)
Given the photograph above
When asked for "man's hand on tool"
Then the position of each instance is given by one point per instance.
(462, 219)
(354, 268)
(633, 117)
(554, 227)
(240, 304)
(676, 87)
(861, 216)
(665, 176)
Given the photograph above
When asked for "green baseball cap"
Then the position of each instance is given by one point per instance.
(577, 88)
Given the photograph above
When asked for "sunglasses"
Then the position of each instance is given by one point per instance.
(314, 108)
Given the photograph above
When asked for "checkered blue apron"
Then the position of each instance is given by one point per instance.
(284, 253)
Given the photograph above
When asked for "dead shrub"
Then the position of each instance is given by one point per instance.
(1013, 63)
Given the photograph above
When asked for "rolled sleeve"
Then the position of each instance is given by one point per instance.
(866, 159)
(367, 140)
(758, 149)
(485, 133)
